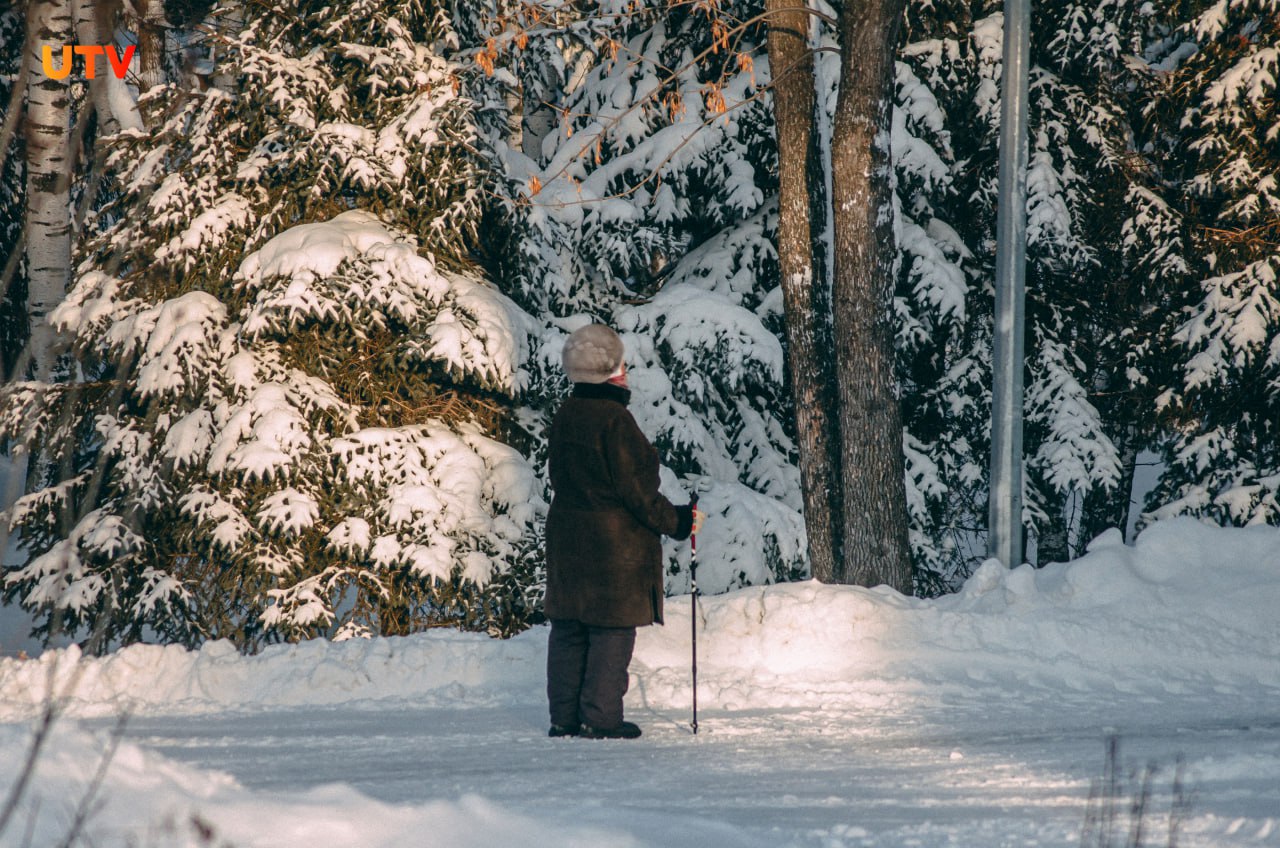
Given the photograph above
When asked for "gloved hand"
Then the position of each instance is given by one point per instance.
(698, 517)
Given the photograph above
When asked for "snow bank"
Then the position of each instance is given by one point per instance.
(431, 669)
(1187, 615)
(1188, 609)
(190, 807)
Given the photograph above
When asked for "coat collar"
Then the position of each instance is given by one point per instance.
(602, 391)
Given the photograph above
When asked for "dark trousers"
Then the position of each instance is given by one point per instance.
(587, 672)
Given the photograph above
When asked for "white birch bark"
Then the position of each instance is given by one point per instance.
(48, 219)
(87, 32)
(111, 97)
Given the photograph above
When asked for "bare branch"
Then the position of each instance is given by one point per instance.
(39, 739)
(85, 808)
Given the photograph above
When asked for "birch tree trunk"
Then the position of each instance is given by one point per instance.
(48, 220)
(791, 64)
(870, 423)
(88, 31)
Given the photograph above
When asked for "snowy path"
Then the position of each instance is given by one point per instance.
(1008, 773)
(834, 717)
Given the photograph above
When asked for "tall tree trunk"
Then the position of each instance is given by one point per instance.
(875, 502)
(791, 64)
(88, 32)
(48, 223)
(114, 105)
(149, 26)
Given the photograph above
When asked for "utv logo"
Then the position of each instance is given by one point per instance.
(90, 52)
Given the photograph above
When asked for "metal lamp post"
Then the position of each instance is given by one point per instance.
(1004, 527)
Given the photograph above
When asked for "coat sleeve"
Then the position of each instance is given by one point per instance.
(634, 466)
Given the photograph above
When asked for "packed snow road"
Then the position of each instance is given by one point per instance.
(832, 717)
(978, 774)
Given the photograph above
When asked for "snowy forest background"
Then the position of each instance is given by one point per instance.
(283, 315)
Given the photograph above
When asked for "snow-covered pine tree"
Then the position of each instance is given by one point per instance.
(1217, 119)
(292, 377)
(1088, 313)
(943, 341)
(646, 201)
(1091, 392)
(944, 148)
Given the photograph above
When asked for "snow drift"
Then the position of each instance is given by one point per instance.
(1188, 608)
(1179, 630)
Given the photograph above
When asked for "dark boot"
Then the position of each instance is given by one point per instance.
(564, 730)
(625, 730)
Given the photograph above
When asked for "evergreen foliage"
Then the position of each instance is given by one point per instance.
(301, 408)
(291, 374)
(1081, 358)
(647, 201)
(1219, 63)
(598, 211)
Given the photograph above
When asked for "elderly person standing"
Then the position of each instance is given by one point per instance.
(604, 549)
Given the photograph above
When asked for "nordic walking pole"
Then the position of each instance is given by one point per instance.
(693, 612)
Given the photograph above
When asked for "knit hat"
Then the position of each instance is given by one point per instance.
(592, 354)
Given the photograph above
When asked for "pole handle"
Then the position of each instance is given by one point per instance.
(693, 536)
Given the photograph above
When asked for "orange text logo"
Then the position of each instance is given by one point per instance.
(90, 52)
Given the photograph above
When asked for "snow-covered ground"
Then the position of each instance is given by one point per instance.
(830, 717)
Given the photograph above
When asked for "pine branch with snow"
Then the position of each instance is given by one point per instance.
(1220, 397)
(639, 173)
(293, 375)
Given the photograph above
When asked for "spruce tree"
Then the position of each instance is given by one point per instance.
(1219, 210)
(1088, 305)
(292, 376)
(646, 200)
(584, 204)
